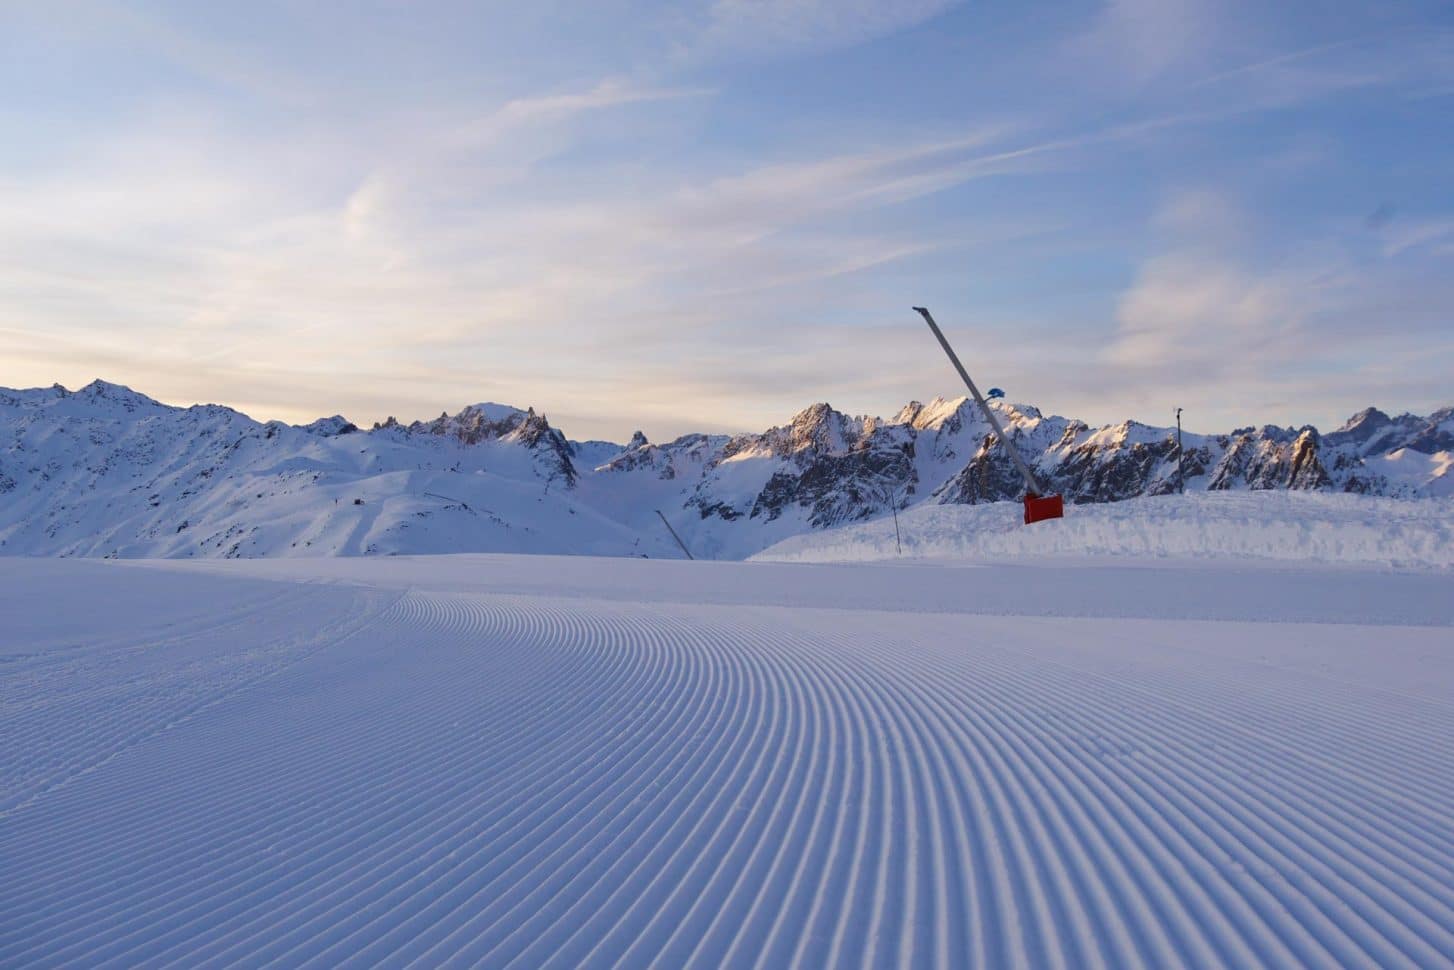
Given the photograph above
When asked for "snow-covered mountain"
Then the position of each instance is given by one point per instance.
(826, 468)
(106, 471)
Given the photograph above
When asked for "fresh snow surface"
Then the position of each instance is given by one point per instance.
(1288, 526)
(541, 761)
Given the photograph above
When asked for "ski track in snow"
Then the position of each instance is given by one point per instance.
(351, 775)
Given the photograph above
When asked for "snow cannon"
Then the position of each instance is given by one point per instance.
(1038, 506)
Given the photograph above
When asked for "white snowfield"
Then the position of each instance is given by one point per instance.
(562, 762)
(1304, 527)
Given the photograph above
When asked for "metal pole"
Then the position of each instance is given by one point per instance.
(1025, 473)
(674, 535)
(1180, 477)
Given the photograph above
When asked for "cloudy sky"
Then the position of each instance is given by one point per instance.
(706, 215)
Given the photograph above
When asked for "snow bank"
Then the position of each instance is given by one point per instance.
(1291, 526)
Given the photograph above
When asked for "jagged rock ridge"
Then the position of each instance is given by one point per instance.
(106, 470)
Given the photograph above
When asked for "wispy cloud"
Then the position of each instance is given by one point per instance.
(1392, 60)
(799, 26)
(1204, 53)
(613, 92)
(209, 265)
(1200, 315)
(1199, 310)
(360, 213)
(1217, 321)
(106, 25)
(1142, 39)
(1401, 236)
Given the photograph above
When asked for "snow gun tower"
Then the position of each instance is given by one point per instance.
(1037, 506)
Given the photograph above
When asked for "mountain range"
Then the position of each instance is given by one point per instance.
(107, 471)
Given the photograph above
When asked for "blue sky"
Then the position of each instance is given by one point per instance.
(705, 216)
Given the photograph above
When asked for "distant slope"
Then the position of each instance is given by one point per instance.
(107, 471)
(1280, 526)
(826, 469)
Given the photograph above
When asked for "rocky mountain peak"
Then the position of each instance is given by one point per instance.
(941, 413)
(207, 480)
(818, 427)
(330, 427)
(908, 413)
(119, 394)
(477, 424)
(1364, 425)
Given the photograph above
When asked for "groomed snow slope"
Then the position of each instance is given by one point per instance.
(531, 761)
(1287, 526)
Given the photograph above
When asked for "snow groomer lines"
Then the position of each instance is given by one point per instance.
(511, 779)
